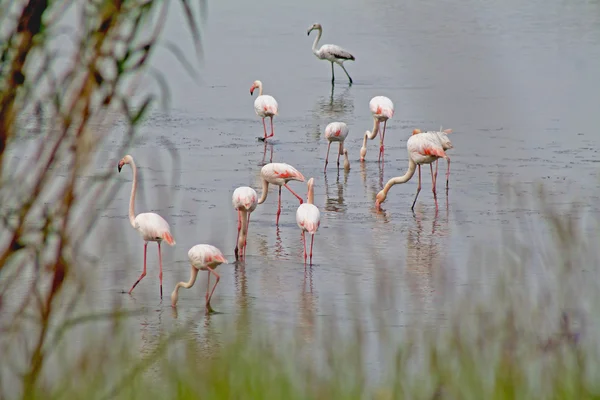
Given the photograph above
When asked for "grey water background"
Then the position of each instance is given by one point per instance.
(516, 81)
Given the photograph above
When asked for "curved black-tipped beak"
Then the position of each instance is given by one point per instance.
(308, 33)
(119, 167)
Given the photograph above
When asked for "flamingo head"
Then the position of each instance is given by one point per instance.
(416, 131)
(313, 27)
(380, 198)
(125, 160)
(255, 84)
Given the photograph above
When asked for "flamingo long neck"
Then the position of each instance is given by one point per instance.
(260, 88)
(412, 166)
(242, 238)
(186, 285)
(371, 135)
(310, 198)
(346, 161)
(265, 192)
(314, 47)
(132, 198)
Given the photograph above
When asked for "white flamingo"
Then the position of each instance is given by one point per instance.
(330, 52)
(244, 200)
(308, 218)
(337, 132)
(278, 174)
(264, 106)
(382, 109)
(446, 145)
(151, 226)
(202, 257)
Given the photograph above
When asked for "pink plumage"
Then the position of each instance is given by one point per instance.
(245, 201)
(278, 174)
(265, 106)
(308, 218)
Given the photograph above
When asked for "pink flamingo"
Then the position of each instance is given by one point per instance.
(206, 258)
(151, 226)
(308, 218)
(278, 174)
(337, 132)
(244, 200)
(382, 109)
(264, 106)
(422, 148)
(446, 145)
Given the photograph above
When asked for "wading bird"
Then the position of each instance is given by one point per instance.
(278, 174)
(152, 227)
(382, 109)
(422, 149)
(264, 106)
(308, 218)
(330, 52)
(244, 200)
(203, 257)
(337, 132)
(446, 145)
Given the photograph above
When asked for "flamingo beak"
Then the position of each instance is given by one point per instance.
(120, 166)
(252, 90)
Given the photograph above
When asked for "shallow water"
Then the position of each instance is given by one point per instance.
(515, 81)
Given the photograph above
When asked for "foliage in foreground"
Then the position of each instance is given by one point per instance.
(526, 336)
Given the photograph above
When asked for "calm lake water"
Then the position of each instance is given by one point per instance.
(516, 81)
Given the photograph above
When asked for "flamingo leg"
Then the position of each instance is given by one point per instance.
(211, 271)
(246, 236)
(160, 274)
(312, 239)
(265, 128)
(347, 74)
(238, 234)
(272, 132)
(432, 181)
(332, 74)
(381, 147)
(304, 242)
(418, 189)
(278, 207)
(327, 157)
(447, 172)
(144, 272)
(294, 193)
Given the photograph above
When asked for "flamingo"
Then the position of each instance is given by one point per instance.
(308, 218)
(330, 52)
(278, 174)
(206, 258)
(422, 149)
(337, 132)
(264, 106)
(446, 145)
(382, 109)
(244, 200)
(152, 227)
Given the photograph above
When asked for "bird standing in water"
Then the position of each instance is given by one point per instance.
(330, 52)
(422, 149)
(244, 200)
(308, 218)
(382, 109)
(278, 174)
(152, 227)
(264, 106)
(337, 132)
(203, 257)
(446, 145)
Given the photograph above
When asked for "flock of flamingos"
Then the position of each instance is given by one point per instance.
(423, 148)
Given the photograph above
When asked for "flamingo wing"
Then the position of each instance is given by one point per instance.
(308, 217)
(280, 173)
(266, 105)
(336, 131)
(381, 106)
(153, 227)
(203, 255)
(334, 51)
(245, 197)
